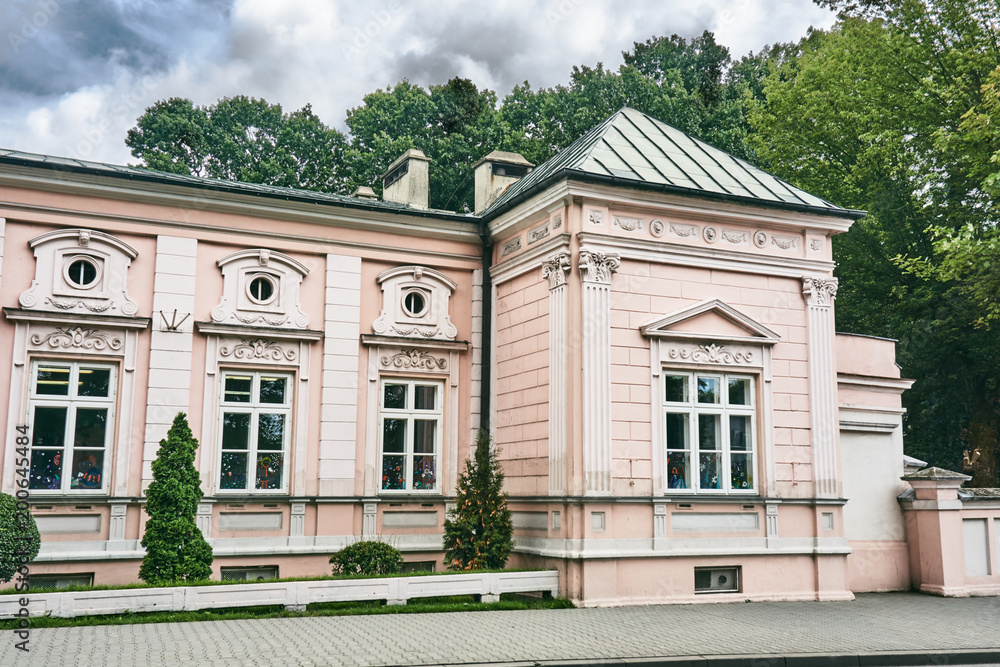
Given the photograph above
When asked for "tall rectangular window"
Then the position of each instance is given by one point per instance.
(410, 420)
(71, 412)
(709, 432)
(254, 431)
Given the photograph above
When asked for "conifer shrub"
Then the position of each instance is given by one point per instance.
(19, 538)
(175, 547)
(479, 533)
(367, 558)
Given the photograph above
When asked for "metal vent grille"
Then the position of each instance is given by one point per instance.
(716, 580)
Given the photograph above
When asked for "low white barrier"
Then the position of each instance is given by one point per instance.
(294, 595)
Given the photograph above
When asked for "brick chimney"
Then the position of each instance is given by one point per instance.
(495, 173)
(407, 180)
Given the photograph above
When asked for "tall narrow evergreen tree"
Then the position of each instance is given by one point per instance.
(175, 548)
(478, 535)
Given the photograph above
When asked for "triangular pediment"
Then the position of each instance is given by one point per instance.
(713, 320)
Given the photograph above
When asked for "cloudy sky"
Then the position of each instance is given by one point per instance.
(75, 74)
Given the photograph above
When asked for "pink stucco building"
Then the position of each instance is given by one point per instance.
(644, 322)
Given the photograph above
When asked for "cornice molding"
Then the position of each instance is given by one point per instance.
(54, 318)
(248, 332)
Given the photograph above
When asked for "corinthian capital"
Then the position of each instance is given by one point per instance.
(555, 269)
(819, 291)
(597, 267)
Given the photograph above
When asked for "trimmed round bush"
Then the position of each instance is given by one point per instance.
(19, 538)
(367, 558)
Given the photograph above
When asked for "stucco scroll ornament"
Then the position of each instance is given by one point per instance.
(257, 349)
(87, 339)
(597, 267)
(555, 268)
(415, 360)
(712, 354)
(819, 291)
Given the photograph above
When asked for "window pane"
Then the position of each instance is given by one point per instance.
(424, 475)
(46, 469)
(424, 431)
(234, 470)
(238, 388)
(271, 431)
(395, 396)
(91, 427)
(708, 432)
(739, 433)
(394, 435)
(676, 388)
(739, 391)
(52, 381)
(424, 397)
(742, 471)
(94, 382)
(235, 431)
(677, 431)
(269, 471)
(87, 470)
(272, 390)
(710, 471)
(49, 429)
(708, 390)
(392, 472)
(677, 470)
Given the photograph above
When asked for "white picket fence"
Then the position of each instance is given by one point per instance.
(294, 595)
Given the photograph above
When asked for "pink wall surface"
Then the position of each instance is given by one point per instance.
(522, 381)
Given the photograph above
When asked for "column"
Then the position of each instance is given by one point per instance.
(555, 269)
(170, 348)
(820, 293)
(597, 269)
(339, 422)
(477, 353)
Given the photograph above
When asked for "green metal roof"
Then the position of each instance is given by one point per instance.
(635, 150)
(74, 165)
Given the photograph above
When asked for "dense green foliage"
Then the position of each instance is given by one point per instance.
(175, 548)
(367, 557)
(875, 114)
(479, 533)
(240, 139)
(19, 538)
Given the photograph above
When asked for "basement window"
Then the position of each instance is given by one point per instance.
(53, 582)
(258, 573)
(716, 580)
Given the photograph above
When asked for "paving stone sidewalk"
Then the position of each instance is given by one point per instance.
(878, 624)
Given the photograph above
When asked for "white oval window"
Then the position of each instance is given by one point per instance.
(415, 302)
(82, 272)
(261, 289)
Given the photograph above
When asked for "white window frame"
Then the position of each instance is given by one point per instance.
(410, 414)
(692, 408)
(254, 408)
(72, 403)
